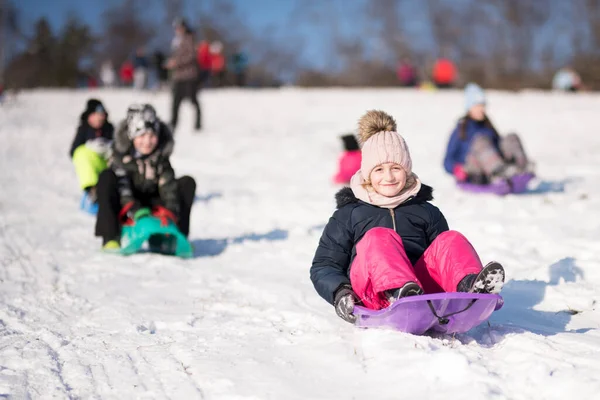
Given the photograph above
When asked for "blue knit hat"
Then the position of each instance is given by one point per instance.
(474, 94)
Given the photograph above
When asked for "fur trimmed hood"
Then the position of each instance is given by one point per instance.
(346, 196)
(124, 145)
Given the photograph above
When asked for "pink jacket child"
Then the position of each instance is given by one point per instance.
(386, 241)
(349, 161)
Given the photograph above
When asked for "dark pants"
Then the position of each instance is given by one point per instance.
(240, 79)
(108, 225)
(203, 77)
(182, 90)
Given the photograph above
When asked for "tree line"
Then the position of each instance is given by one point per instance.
(506, 44)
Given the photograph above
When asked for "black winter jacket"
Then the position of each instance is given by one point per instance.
(416, 221)
(85, 132)
(150, 176)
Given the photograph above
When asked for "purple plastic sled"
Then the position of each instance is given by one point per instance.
(517, 184)
(440, 312)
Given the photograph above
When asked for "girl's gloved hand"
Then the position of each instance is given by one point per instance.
(460, 173)
(344, 302)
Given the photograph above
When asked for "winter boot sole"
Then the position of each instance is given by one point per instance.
(490, 279)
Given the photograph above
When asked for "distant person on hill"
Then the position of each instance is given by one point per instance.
(239, 66)
(567, 80)
(476, 152)
(217, 63)
(107, 74)
(184, 72)
(126, 73)
(444, 73)
(140, 69)
(162, 73)
(204, 59)
(407, 74)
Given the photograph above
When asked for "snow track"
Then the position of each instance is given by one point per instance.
(241, 319)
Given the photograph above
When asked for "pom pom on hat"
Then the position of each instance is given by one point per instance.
(373, 122)
(381, 143)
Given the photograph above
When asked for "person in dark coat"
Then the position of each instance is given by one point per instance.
(161, 72)
(90, 148)
(386, 241)
(140, 180)
(184, 72)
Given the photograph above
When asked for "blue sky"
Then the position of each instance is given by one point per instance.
(280, 18)
(259, 12)
(258, 15)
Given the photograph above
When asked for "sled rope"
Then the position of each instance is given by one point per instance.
(443, 320)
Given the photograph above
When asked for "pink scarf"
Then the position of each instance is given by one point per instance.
(372, 197)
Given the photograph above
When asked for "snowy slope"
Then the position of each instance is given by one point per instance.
(242, 320)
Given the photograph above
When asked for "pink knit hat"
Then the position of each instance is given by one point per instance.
(381, 143)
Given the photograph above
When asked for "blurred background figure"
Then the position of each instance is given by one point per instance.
(239, 65)
(444, 73)
(566, 79)
(107, 74)
(162, 73)
(184, 72)
(407, 74)
(476, 152)
(217, 63)
(126, 73)
(204, 59)
(140, 69)
(439, 52)
(349, 161)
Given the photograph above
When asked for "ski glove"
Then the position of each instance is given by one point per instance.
(133, 211)
(101, 146)
(460, 173)
(164, 214)
(344, 302)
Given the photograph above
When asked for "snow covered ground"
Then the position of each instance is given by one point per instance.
(241, 320)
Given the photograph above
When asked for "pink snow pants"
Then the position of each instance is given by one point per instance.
(381, 264)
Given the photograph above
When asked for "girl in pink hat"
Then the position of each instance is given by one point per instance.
(385, 240)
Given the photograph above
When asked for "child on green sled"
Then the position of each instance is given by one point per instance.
(140, 181)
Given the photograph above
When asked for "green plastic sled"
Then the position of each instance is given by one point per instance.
(161, 239)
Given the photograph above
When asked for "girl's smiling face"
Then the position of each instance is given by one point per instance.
(388, 179)
(146, 143)
(477, 112)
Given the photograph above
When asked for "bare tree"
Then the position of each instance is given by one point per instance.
(586, 42)
(9, 32)
(125, 29)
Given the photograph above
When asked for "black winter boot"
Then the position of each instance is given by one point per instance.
(409, 289)
(489, 280)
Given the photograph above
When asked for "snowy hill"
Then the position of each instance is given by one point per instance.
(241, 320)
